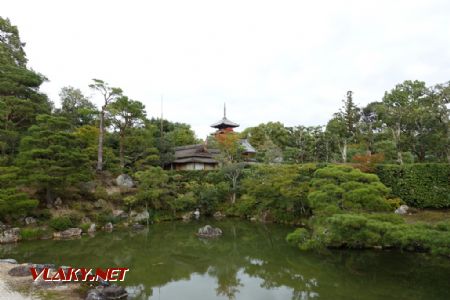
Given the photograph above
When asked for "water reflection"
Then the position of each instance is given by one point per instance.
(251, 261)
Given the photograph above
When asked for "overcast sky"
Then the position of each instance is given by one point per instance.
(288, 61)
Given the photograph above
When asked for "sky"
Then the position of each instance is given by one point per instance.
(287, 61)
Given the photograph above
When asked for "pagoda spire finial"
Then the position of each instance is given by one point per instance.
(224, 110)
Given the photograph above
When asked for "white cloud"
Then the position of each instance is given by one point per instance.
(288, 61)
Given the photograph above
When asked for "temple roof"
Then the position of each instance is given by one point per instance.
(247, 147)
(224, 123)
(194, 153)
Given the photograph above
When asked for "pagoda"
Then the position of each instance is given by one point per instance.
(224, 125)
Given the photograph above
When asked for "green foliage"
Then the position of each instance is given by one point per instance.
(280, 189)
(51, 157)
(419, 185)
(85, 226)
(60, 223)
(153, 187)
(336, 188)
(377, 230)
(33, 233)
(14, 204)
(298, 236)
(76, 107)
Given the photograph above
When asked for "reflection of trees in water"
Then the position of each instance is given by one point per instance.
(171, 252)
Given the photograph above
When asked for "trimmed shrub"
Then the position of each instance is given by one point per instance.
(299, 236)
(342, 188)
(419, 185)
(60, 223)
(374, 230)
(32, 233)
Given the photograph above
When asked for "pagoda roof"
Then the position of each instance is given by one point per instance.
(224, 123)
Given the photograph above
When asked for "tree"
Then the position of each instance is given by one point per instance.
(20, 99)
(109, 94)
(398, 111)
(76, 107)
(343, 126)
(233, 172)
(440, 95)
(152, 188)
(126, 113)
(51, 157)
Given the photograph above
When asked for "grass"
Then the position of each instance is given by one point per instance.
(428, 216)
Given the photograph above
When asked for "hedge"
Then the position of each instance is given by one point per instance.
(419, 185)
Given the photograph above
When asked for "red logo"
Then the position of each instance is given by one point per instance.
(79, 274)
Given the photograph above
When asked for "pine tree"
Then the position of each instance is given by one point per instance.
(50, 156)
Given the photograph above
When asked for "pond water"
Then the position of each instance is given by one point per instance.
(250, 261)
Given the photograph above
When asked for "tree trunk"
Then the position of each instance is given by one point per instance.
(396, 136)
(100, 141)
(148, 214)
(121, 150)
(49, 197)
(343, 150)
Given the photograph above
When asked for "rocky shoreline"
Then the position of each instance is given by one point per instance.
(16, 283)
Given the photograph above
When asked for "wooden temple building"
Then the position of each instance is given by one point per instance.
(200, 157)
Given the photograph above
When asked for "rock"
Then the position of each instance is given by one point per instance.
(108, 226)
(141, 216)
(40, 267)
(187, 216)
(124, 181)
(115, 292)
(219, 215)
(208, 232)
(402, 210)
(118, 213)
(20, 271)
(85, 220)
(253, 219)
(100, 203)
(9, 261)
(95, 294)
(58, 203)
(137, 226)
(107, 293)
(91, 228)
(30, 220)
(10, 235)
(68, 233)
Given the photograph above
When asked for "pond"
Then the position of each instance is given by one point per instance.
(250, 261)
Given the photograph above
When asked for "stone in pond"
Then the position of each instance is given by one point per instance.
(11, 235)
(114, 292)
(9, 261)
(68, 233)
(108, 226)
(20, 271)
(208, 232)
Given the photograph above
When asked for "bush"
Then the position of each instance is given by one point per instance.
(299, 236)
(85, 227)
(14, 204)
(60, 223)
(343, 188)
(419, 185)
(370, 230)
(32, 233)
